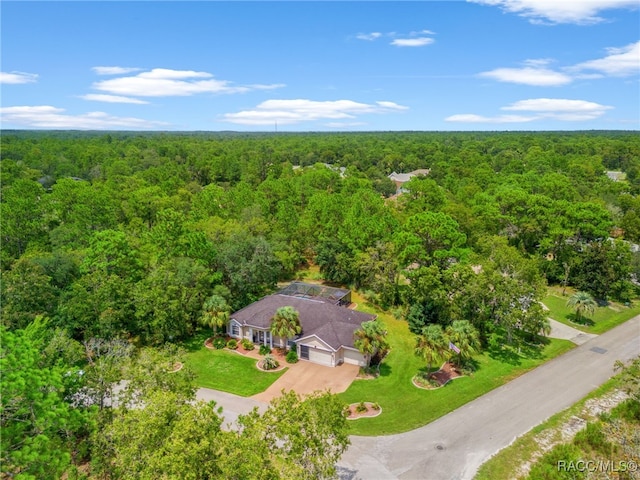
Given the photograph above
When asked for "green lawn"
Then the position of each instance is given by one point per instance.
(225, 370)
(604, 318)
(405, 407)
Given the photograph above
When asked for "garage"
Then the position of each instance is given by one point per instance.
(316, 355)
(353, 357)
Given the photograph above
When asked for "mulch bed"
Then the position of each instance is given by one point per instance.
(371, 412)
(279, 368)
(176, 367)
(448, 371)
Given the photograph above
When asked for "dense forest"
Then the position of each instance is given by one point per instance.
(112, 241)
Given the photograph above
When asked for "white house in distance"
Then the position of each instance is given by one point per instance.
(401, 178)
(328, 326)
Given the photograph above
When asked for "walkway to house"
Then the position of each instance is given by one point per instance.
(560, 330)
(306, 377)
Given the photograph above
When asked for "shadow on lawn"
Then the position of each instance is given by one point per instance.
(529, 346)
(196, 342)
(580, 320)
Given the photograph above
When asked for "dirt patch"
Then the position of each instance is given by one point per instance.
(362, 410)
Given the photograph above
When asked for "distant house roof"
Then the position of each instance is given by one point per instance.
(333, 324)
(336, 296)
(405, 177)
(615, 176)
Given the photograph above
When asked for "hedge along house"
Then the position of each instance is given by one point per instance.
(327, 325)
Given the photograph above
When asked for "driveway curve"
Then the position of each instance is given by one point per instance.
(454, 446)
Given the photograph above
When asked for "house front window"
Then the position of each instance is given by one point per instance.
(235, 330)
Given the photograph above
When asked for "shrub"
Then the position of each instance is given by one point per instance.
(292, 357)
(375, 406)
(247, 344)
(361, 407)
(346, 411)
(232, 344)
(593, 437)
(265, 350)
(219, 343)
(269, 362)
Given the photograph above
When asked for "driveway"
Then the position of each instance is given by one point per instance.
(560, 330)
(232, 405)
(454, 446)
(306, 377)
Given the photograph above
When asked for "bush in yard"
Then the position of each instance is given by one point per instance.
(269, 362)
(361, 407)
(375, 406)
(265, 350)
(219, 343)
(247, 344)
(232, 344)
(292, 357)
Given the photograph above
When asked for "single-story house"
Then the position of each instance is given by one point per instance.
(401, 178)
(328, 327)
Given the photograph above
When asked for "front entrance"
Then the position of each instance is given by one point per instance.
(261, 337)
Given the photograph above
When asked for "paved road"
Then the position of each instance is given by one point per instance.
(454, 446)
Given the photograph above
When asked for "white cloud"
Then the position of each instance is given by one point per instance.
(538, 109)
(100, 97)
(412, 42)
(534, 73)
(369, 36)
(162, 82)
(302, 110)
(472, 118)
(620, 62)
(17, 77)
(411, 39)
(560, 108)
(114, 70)
(559, 11)
(258, 86)
(46, 116)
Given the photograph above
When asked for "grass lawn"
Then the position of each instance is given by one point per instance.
(225, 370)
(604, 318)
(405, 407)
(503, 465)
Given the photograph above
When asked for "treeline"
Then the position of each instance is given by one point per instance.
(127, 234)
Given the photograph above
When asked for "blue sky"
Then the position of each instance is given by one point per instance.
(321, 66)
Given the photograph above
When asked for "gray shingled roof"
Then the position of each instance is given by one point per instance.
(332, 324)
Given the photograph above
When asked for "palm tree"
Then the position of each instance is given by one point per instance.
(371, 338)
(215, 313)
(465, 337)
(432, 344)
(582, 302)
(285, 324)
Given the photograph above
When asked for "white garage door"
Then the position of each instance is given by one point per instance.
(316, 355)
(352, 357)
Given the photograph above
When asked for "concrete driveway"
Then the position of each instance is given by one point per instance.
(306, 377)
(232, 405)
